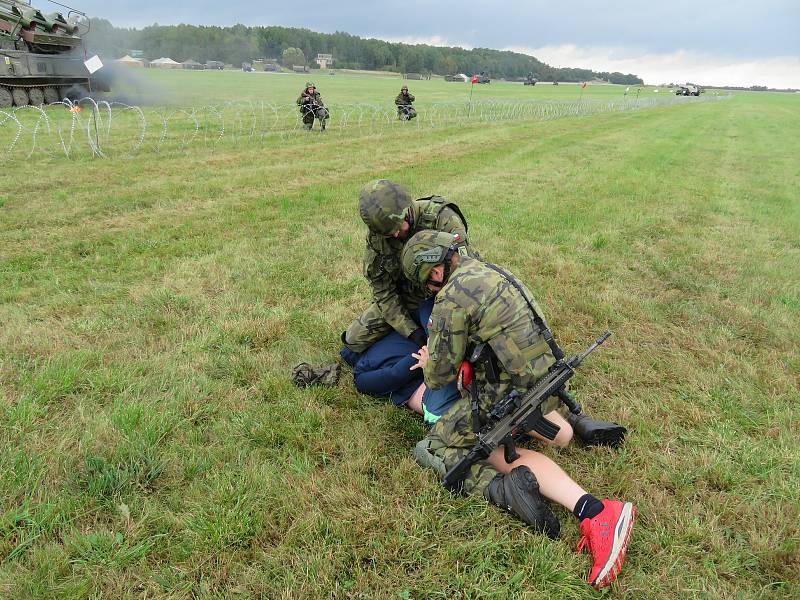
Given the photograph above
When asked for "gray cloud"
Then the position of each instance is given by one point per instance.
(731, 27)
(729, 41)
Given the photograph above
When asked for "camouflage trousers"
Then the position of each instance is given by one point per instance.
(371, 326)
(406, 113)
(320, 113)
(450, 440)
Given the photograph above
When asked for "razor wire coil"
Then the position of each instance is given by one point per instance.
(120, 130)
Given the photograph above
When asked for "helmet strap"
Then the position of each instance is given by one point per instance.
(448, 262)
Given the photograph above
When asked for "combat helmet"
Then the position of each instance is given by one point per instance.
(383, 206)
(310, 84)
(425, 250)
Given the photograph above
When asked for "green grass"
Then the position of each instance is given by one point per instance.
(151, 444)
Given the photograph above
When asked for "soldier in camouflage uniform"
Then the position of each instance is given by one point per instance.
(475, 303)
(405, 112)
(311, 105)
(392, 216)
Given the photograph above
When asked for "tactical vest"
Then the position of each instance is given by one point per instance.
(436, 204)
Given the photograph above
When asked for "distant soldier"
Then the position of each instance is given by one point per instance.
(311, 105)
(405, 112)
(392, 217)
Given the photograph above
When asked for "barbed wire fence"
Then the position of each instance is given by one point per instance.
(109, 129)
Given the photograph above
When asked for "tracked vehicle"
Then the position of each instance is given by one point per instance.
(42, 55)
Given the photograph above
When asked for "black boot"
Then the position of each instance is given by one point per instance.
(597, 433)
(518, 493)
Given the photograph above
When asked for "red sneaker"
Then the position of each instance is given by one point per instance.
(607, 536)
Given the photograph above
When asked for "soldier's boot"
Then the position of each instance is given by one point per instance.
(596, 433)
(518, 493)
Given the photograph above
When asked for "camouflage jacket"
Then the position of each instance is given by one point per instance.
(391, 291)
(305, 98)
(478, 304)
(404, 99)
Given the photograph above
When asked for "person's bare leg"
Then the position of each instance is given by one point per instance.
(564, 435)
(415, 402)
(554, 483)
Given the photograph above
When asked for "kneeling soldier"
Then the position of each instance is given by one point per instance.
(311, 106)
(479, 303)
(391, 217)
(405, 112)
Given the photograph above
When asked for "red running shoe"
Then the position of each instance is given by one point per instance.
(607, 536)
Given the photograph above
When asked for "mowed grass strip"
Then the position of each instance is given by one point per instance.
(151, 444)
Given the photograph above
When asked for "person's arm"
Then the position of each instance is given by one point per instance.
(385, 296)
(411, 98)
(399, 99)
(450, 222)
(447, 344)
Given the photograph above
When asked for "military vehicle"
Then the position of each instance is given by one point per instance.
(42, 56)
(688, 90)
(482, 77)
(530, 80)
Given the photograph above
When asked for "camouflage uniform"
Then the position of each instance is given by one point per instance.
(477, 304)
(405, 111)
(393, 295)
(311, 106)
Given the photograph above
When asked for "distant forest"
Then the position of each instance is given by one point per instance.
(289, 46)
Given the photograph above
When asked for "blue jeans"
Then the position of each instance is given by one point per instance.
(435, 402)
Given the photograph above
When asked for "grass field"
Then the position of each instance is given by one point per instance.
(162, 112)
(152, 446)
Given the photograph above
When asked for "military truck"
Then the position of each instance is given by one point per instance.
(530, 80)
(42, 56)
(688, 90)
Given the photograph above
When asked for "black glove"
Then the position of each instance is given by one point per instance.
(419, 337)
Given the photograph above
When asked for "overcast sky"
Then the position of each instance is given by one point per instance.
(716, 42)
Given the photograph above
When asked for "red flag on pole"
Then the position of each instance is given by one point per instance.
(474, 79)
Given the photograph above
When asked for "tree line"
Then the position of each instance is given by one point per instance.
(240, 43)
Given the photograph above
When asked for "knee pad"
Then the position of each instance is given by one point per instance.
(518, 493)
(425, 457)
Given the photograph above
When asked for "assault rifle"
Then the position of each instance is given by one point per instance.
(516, 414)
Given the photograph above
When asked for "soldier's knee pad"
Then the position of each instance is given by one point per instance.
(425, 457)
(518, 493)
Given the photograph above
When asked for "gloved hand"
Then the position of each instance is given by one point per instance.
(418, 337)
